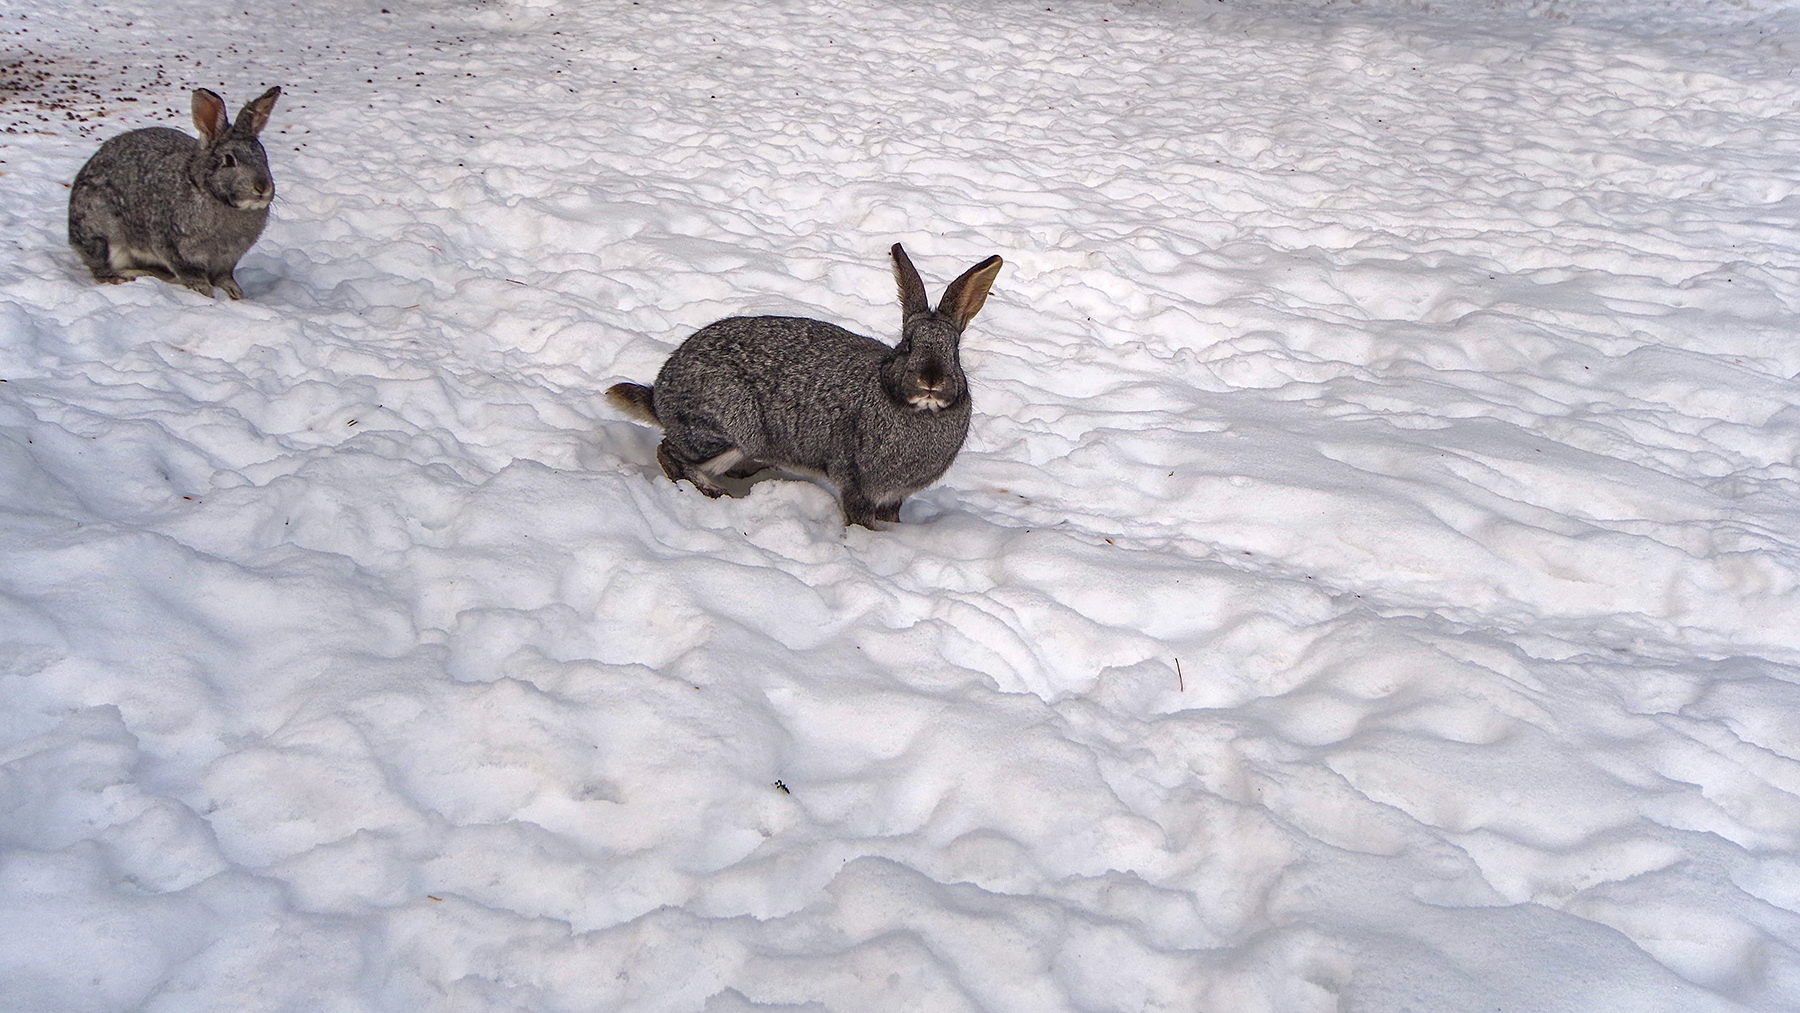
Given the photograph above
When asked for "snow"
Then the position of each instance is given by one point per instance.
(1372, 581)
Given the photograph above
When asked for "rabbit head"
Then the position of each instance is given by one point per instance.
(925, 373)
(230, 164)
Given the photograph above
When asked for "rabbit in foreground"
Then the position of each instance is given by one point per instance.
(879, 422)
(157, 202)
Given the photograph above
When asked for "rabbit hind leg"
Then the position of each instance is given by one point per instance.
(111, 264)
(725, 464)
(678, 465)
(162, 266)
(735, 464)
(94, 251)
(128, 263)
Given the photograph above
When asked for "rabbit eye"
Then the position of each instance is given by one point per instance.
(228, 160)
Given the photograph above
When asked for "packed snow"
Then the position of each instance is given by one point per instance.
(1371, 582)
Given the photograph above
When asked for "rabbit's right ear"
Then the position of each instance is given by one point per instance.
(965, 296)
(912, 290)
(209, 115)
(255, 114)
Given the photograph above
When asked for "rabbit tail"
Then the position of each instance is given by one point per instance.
(633, 399)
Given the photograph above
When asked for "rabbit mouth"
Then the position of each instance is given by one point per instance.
(252, 203)
(928, 402)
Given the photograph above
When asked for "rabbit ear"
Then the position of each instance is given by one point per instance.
(255, 115)
(209, 115)
(963, 299)
(912, 290)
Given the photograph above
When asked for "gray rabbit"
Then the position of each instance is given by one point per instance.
(157, 202)
(878, 422)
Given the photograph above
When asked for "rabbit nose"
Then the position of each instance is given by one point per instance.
(261, 189)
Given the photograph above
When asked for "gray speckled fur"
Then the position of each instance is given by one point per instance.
(879, 422)
(156, 202)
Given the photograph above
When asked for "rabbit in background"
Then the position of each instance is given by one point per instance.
(156, 202)
(879, 422)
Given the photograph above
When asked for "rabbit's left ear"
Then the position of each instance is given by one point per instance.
(965, 296)
(209, 115)
(255, 115)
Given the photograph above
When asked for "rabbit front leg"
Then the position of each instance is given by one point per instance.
(228, 283)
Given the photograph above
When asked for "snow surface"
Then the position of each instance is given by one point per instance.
(1372, 581)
